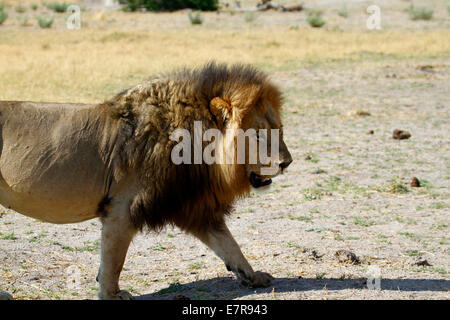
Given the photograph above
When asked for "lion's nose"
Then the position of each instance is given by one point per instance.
(285, 164)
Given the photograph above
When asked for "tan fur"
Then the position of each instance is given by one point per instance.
(66, 163)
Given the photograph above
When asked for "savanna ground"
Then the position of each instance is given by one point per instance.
(345, 190)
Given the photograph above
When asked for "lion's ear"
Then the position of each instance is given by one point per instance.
(221, 111)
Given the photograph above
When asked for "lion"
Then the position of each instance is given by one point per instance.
(67, 163)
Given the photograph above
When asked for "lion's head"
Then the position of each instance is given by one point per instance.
(253, 108)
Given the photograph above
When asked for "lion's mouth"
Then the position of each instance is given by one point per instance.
(258, 181)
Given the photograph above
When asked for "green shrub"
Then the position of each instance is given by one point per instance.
(195, 18)
(20, 8)
(250, 17)
(315, 19)
(1, 6)
(420, 13)
(59, 7)
(34, 6)
(45, 22)
(343, 13)
(3, 16)
(170, 5)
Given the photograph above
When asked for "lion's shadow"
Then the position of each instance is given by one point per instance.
(228, 288)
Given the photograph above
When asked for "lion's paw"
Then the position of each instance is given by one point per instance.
(5, 296)
(259, 279)
(120, 295)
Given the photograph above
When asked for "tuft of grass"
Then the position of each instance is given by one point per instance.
(320, 276)
(397, 186)
(421, 13)
(3, 16)
(412, 253)
(45, 23)
(291, 244)
(300, 218)
(10, 236)
(441, 271)
(315, 19)
(319, 171)
(195, 18)
(343, 12)
(89, 246)
(196, 265)
(408, 235)
(159, 247)
(363, 222)
(438, 205)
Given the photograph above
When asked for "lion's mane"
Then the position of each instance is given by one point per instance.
(194, 197)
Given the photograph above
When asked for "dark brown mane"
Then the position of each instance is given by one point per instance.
(193, 197)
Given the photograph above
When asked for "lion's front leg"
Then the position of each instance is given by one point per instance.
(223, 244)
(117, 233)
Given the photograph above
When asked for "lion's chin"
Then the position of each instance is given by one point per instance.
(258, 181)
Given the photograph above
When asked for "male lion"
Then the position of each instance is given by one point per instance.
(66, 163)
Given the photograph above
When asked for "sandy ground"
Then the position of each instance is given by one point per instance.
(347, 189)
(340, 199)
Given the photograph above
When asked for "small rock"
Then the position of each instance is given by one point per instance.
(308, 158)
(422, 263)
(370, 132)
(5, 296)
(415, 182)
(426, 68)
(361, 113)
(266, 5)
(401, 134)
(345, 256)
(181, 297)
(315, 255)
(292, 7)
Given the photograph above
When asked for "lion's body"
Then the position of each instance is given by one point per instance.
(50, 162)
(65, 163)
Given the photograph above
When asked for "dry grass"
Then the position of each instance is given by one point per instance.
(90, 65)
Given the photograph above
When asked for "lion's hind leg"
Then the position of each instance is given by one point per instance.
(221, 241)
(117, 233)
